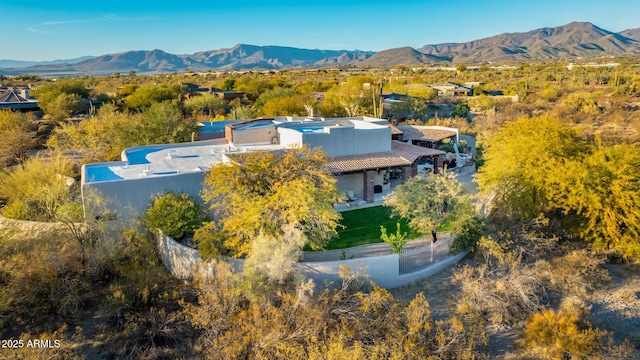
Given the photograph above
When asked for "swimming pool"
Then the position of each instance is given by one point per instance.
(258, 125)
(139, 156)
(311, 129)
(100, 173)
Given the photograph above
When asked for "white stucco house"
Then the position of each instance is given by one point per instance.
(363, 157)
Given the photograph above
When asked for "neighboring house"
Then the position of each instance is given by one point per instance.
(388, 99)
(449, 89)
(223, 94)
(363, 157)
(17, 99)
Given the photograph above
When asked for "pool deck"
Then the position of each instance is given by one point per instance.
(168, 160)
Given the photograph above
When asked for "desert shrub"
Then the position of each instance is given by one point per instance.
(462, 111)
(446, 147)
(40, 186)
(16, 136)
(42, 281)
(17, 209)
(142, 307)
(563, 334)
(468, 232)
(210, 241)
(176, 215)
(551, 92)
(582, 101)
(482, 102)
(345, 323)
(556, 335)
(504, 288)
(64, 105)
(576, 273)
(58, 337)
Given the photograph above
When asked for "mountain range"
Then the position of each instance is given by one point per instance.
(574, 40)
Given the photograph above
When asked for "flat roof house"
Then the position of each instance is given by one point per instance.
(363, 157)
(449, 89)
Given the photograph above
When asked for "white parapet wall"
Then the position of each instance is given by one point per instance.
(184, 262)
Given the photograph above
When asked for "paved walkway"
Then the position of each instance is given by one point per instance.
(440, 250)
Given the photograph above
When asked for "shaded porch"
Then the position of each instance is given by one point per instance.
(364, 176)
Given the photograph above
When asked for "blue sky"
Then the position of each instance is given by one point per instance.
(48, 30)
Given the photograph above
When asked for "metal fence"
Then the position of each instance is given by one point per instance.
(414, 259)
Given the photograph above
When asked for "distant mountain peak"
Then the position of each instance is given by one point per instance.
(576, 39)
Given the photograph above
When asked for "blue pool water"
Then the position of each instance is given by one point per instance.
(258, 125)
(211, 130)
(311, 129)
(100, 173)
(139, 156)
(213, 127)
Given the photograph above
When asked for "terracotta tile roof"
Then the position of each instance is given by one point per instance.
(411, 132)
(413, 152)
(401, 154)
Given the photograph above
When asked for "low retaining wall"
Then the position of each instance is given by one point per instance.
(32, 228)
(184, 262)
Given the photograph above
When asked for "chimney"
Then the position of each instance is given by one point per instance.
(25, 94)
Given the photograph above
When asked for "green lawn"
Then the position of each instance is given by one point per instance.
(362, 226)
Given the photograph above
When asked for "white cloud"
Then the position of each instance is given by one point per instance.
(50, 27)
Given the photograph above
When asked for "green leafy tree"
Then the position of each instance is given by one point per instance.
(163, 123)
(408, 109)
(147, 95)
(602, 190)
(275, 93)
(263, 193)
(64, 105)
(397, 241)
(347, 99)
(518, 160)
(242, 112)
(48, 93)
(284, 106)
(468, 232)
(462, 111)
(252, 85)
(127, 89)
(104, 136)
(595, 187)
(100, 138)
(205, 104)
(228, 84)
(428, 202)
(176, 215)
